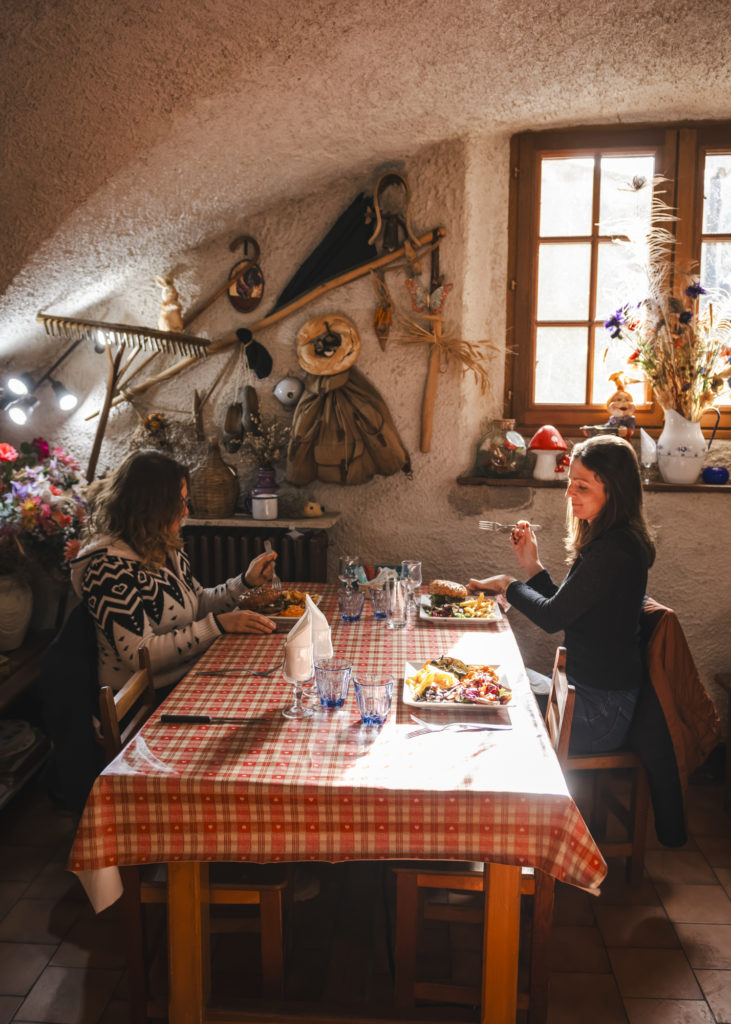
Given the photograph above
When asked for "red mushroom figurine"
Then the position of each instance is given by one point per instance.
(546, 443)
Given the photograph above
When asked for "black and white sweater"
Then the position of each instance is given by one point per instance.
(167, 611)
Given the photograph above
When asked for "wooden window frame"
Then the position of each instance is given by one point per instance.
(680, 150)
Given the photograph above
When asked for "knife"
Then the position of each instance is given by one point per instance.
(208, 720)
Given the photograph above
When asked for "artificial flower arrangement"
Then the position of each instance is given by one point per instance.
(683, 352)
(42, 508)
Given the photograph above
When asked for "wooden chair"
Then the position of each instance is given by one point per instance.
(413, 905)
(142, 886)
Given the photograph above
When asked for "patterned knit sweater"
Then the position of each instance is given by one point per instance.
(167, 611)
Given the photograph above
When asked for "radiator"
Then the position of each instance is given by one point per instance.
(218, 552)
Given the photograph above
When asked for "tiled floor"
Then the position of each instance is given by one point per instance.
(656, 954)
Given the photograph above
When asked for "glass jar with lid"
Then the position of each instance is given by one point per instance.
(501, 452)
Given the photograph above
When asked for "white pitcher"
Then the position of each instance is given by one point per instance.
(681, 448)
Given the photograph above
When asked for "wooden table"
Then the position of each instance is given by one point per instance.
(326, 789)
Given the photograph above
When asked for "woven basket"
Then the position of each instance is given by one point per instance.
(214, 486)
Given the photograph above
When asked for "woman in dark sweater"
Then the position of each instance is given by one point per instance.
(598, 605)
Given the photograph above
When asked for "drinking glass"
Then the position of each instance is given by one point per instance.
(373, 696)
(349, 568)
(332, 677)
(397, 603)
(350, 603)
(297, 669)
(412, 572)
(379, 601)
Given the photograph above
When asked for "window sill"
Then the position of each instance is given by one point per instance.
(527, 481)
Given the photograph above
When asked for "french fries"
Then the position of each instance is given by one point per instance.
(479, 607)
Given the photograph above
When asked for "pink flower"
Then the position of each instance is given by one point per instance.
(71, 549)
(7, 452)
(42, 447)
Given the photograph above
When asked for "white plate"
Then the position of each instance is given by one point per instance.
(289, 620)
(412, 667)
(448, 620)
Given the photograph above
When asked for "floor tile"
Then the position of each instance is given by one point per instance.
(716, 850)
(20, 965)
(577, 949)
(716, 987)
(54, 881)
(578, 998)
(697, 904)
(8, 1006)
(636, 926)
(706, 945)
(724, 877)
(117, 1012)
(10, 893)
(40, 920)
(66, 995)
(616, 890)
(667, 1011)
(21, 863)
(93, 942)
(685, 866)
(653, 974)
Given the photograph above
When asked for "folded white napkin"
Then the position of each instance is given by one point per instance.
(322, 646)
(384, 574)
(298, 666)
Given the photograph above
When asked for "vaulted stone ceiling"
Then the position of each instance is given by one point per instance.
(133, 131)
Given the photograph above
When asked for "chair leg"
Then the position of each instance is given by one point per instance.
(540, 943)
(407, 916)
(132, 913)
(272, 945)
(640, 814)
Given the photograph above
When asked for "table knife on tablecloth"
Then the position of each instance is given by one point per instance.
(209, 720)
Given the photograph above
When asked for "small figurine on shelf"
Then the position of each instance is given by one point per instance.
(621, 411)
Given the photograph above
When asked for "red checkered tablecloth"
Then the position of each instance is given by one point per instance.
(328, 789)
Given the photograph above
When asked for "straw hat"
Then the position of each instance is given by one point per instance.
(327, 344)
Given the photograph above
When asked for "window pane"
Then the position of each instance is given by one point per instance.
(620, 203)
(717, 194)
(563, 281)
(566, 196)
(619, 281)
(610, 355)
(715, 267)
(561, 365)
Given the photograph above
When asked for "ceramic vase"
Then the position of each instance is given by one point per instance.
(502, 451)
(16, 607)
(681, 449)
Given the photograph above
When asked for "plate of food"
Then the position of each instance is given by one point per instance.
(447, 682)
(448, 601)
(283, 606)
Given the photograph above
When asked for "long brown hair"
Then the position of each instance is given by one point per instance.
(614, 461)
(140, 505)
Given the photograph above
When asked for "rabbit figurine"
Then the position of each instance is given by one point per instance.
(171, 316)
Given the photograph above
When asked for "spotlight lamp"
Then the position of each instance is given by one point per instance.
(65, 399)
(20, 410)
(22, 384)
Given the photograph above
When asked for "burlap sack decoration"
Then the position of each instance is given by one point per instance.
(342, 433)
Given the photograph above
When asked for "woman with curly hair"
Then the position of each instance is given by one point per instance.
(135, 579)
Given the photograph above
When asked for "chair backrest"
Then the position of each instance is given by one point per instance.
(560, 707)
(136, 697)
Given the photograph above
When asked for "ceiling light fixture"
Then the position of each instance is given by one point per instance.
(22, 384)
(20, 410)
(65, 399)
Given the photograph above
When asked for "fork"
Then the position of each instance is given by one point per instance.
(486, 524)
(471, 726)
(276, 583)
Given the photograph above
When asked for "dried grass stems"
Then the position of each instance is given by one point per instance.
(471, 356)
(266, 443)
(683, 350)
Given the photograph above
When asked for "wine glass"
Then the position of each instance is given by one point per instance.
(411, 572)
(298, 669)
(349, 569)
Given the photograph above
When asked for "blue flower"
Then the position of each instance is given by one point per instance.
(685, 317)
(615, 321)
(693, 291)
